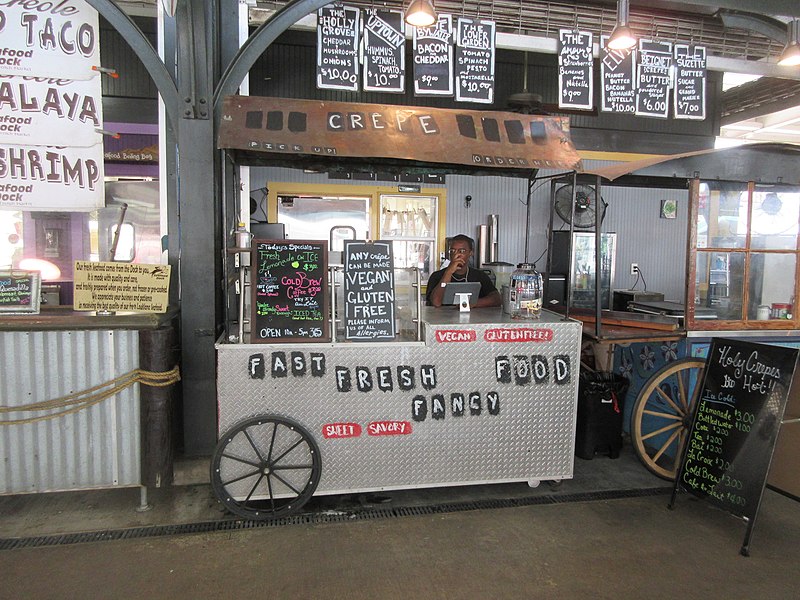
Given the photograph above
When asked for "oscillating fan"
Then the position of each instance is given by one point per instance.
(585, 205)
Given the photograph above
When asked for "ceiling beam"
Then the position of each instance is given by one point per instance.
(786, 8)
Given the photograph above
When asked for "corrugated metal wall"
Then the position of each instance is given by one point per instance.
(94, 448)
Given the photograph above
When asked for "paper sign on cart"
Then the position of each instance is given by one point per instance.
(115, 286)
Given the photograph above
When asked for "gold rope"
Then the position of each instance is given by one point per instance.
(78, 401)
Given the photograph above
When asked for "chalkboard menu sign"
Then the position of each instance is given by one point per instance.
(575, 69)
(474, 69)
(290, 286)
(384, 51)
(433, 58)
(690, 82)
(653, 78)
(338, 30)
(735, 424)
(20, 291)
(368, 291)
(617, 74)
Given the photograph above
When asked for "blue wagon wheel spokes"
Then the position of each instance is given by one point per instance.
(265, 467)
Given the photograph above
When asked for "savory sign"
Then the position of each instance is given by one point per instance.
(384, 51)
(474, 68)
(338, 31)
(617, 77)
(433, 58)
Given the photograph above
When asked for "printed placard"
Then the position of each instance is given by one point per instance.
(50, 111)
(115, 286)
(617, 76)
(49, 39)
(575, 69)
(690, 82)
(338, 30)
(653, 78)
(474, 71)
(433, 58)
(384, 51)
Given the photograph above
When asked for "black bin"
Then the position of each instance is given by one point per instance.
(601, 397)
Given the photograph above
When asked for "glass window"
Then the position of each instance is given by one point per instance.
(722, 215)
(312, 218)
(411, 222)
(775, 217)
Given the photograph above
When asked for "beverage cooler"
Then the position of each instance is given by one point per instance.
(572, 266)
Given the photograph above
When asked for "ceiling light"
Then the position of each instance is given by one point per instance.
(421, 13)
(622, 37)
(790, 57)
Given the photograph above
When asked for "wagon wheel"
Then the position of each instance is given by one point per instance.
(662, 415)
(265, 467)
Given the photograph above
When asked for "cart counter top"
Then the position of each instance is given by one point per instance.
(448, 315)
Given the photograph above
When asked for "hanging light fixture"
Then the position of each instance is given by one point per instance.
(790, 57)
(421, 13)
(622, 37)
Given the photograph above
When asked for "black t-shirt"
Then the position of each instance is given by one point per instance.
(487, 287)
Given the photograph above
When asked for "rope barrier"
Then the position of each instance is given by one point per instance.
(78, 401)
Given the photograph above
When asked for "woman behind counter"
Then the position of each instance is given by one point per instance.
(461, 247)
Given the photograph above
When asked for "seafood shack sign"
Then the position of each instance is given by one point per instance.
(483, 139)
(51, 151)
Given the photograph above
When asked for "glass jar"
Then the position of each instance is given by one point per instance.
(526, 292)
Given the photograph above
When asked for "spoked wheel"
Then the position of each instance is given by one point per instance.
(265, 467)
(662, 415)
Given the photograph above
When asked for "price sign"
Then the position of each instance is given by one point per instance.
(617, 73)
(653, 78)
(690, 82)
(474, 69)
(575, 69)
(337, 47)
(433, 58)
(384, 51)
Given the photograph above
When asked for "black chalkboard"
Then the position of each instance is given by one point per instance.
(474, 68)
(653, 78)
(369, 291)
(433, 58)
(735, 424)
(290, 290)
(384, 51)
(575, 69)
(338, 29)
(690, 82)
(20, 291)
(617, 73)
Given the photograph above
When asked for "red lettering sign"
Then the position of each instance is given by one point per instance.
(341, 430)
(389, 428)
(521, 334)
(444, 336)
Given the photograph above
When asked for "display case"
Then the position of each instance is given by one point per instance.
(573, 261)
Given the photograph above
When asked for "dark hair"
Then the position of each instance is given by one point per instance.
(463, 238)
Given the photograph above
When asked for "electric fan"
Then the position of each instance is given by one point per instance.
(585, 205)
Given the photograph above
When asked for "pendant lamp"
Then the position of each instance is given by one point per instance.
(421, 13)
(622, 37)
(790, 57)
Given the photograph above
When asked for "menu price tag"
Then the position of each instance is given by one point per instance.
(690, 82)
(575, 69)
(337, 47)
(433, 58)
(384, 51)
(369, 291)
(20, 291)
(617, 74)
(653, 79)
(475, 48)
(290, 283)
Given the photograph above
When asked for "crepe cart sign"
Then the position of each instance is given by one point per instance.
(49, 39)
(115, 286)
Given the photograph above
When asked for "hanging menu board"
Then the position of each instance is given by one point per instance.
(735, 424)
(290, 286)
(433, 58)
(369, 291)
(20, 291)
(690, 82)
(575, 69)
(384, 51)
(337, 47)
(653, 78)
(617, 73)
(474, 69)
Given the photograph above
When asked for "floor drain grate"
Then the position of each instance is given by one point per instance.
(362, 514)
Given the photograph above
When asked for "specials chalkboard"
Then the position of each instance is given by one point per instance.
(289, 291)
(384, 51)
(338, 36)
(20, 291)
(690, 82)
(368, 291)
(653, 78)
(575, 69)
(474, 69)
(433, 58)
(735, 424)
(617, 76)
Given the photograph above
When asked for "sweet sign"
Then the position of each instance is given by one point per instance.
(575, 69)
(617, 76)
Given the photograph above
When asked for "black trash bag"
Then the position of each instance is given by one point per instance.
(601, 401)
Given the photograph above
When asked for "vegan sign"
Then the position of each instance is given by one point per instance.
(369, 291)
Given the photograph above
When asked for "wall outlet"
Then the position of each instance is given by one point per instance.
(634, 268)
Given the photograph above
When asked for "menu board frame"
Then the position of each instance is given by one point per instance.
(34, 294)
(617, 70)
(575, 60)
(486, 83)
(439, 34)
(342, 15)
(690, 81)
(283, 268)
(380, 32)
(359, 257)
(654, 63)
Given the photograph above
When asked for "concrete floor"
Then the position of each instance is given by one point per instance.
(623, 547)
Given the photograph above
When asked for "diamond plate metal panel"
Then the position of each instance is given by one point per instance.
(528, 435)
